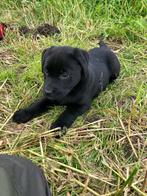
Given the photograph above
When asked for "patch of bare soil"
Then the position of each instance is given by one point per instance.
(42, 30)
(7, 58)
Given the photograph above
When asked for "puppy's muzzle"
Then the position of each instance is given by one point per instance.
(49, 92)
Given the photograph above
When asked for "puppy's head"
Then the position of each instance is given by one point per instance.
(63, 68)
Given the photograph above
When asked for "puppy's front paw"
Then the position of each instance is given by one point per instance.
(60, 123)
(56, 125)
(62, 129)
(21, 116)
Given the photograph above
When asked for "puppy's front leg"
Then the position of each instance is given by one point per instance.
(34, 110)
(69, 116)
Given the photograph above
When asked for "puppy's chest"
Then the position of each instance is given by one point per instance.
(79, 99)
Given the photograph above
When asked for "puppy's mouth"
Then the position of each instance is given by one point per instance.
(55, 97)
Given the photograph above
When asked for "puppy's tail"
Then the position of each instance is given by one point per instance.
(102, 44)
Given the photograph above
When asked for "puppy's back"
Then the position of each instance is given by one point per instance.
(106, 56)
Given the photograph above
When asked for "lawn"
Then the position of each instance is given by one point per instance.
(105, 151)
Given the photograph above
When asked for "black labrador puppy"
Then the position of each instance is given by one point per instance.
(72, 77)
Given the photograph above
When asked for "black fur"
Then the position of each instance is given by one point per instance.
(72, 77)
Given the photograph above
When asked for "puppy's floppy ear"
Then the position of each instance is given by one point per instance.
(82, 57)
(45, 54)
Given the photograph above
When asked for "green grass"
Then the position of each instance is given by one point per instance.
(104, 152)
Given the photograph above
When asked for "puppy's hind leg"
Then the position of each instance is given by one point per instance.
(113, 65)
(111, 60)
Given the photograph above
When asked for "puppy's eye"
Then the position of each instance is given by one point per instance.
(64, 76)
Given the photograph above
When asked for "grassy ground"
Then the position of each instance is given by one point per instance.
(105, 151)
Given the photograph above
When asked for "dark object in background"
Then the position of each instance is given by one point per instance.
(24, 30)
(72, 77)
(44, 29)
(20, 177)
(3, 26)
